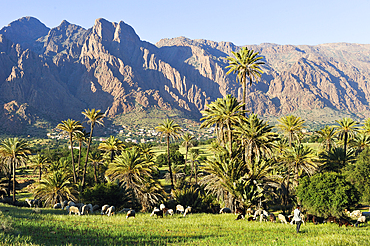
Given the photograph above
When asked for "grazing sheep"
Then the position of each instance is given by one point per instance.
(124, 210)
(251, 218)
(241, 214)
(157, 212)
(70, 203)
(263, 217)
(64, 204)
(225, 211)
(272, 217)
(74, 210)
(187, 210)
(355, 214)
(344, 222)
(104, 209)
(331, 219)
(282, 218)
(110, 211)
(33, 202)
(131, 213)
(168, 212)
(250, 211)
(361, 219)
(57, 205)
(180, 209)
(95, 208)
(259, 212)
(85, 210)
(162, 206)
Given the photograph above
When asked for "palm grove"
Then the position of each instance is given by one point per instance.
(252, 163)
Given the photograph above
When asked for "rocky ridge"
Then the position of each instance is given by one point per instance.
(58, 72)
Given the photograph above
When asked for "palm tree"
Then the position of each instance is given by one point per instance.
(366, 126)
(224, 112)
(332, 160)
(130, 167)
(299, 158)
(94, 117)
(95, 159)
(56, 187)
(188, 138)
(291, 125)
(169, 129)
(38, 162)
(111, 145)
(194, 155)
(360, 142)
(245, 64)
(327, 134)
(256, 136)
(151, 193)
(80, 137)
(71, 127)
(346, 130)
(14, 152)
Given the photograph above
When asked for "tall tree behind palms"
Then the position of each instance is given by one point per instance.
(187, 137)
(94, 117)
(14, 151)
(291, 126)
(300, 158)
(327, 134)
(245, 63)
(345, 130)
(95, 159)
(71, 127)
(111, 145)
(38, 162)
(226, 112)
(80, 137)
(169, 129)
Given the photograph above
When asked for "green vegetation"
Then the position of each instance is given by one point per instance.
(54, 227)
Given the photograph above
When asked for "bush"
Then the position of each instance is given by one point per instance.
(327, 194)
(110, 193)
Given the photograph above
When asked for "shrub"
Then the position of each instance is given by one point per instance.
(326, 194)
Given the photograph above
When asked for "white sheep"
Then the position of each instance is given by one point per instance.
(361, 219)
(33, 202)
(85, 210)
(180, 209)
(187, 210)
(162, 206)
(169, 212)
(104, 209)
(110, 211)
(131, 213)
(282, 218)
(157, 212)
(355, 214)
(225, 211)
(75, 210)
(249, 211)
(259, 212)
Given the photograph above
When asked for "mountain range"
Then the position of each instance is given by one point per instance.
(48, 75)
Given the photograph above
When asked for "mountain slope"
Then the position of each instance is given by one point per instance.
(59, 72)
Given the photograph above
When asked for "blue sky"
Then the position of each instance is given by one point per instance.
(245, 22)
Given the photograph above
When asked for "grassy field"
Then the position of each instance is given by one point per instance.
(54, 227)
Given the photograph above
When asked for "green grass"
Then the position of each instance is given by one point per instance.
(54, 227)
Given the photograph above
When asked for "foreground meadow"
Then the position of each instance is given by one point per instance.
(54, 227)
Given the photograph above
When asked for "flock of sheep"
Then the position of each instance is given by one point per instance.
(85, 209)
(357, 215)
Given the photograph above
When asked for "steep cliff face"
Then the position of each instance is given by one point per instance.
(63, 70)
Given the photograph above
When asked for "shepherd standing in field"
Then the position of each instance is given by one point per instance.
(297, 218)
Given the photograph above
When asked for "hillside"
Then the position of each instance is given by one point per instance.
(48, 75)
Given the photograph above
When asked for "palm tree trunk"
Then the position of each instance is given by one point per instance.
(13, 162)
(73, 163)
(196, 172)
(244, 92)
(87, 158)
(79, 159)
(229, 139)
(168, 160)
(345, 148)
(9, 180)
(186, 157)
(40, 173)
(95, 177)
